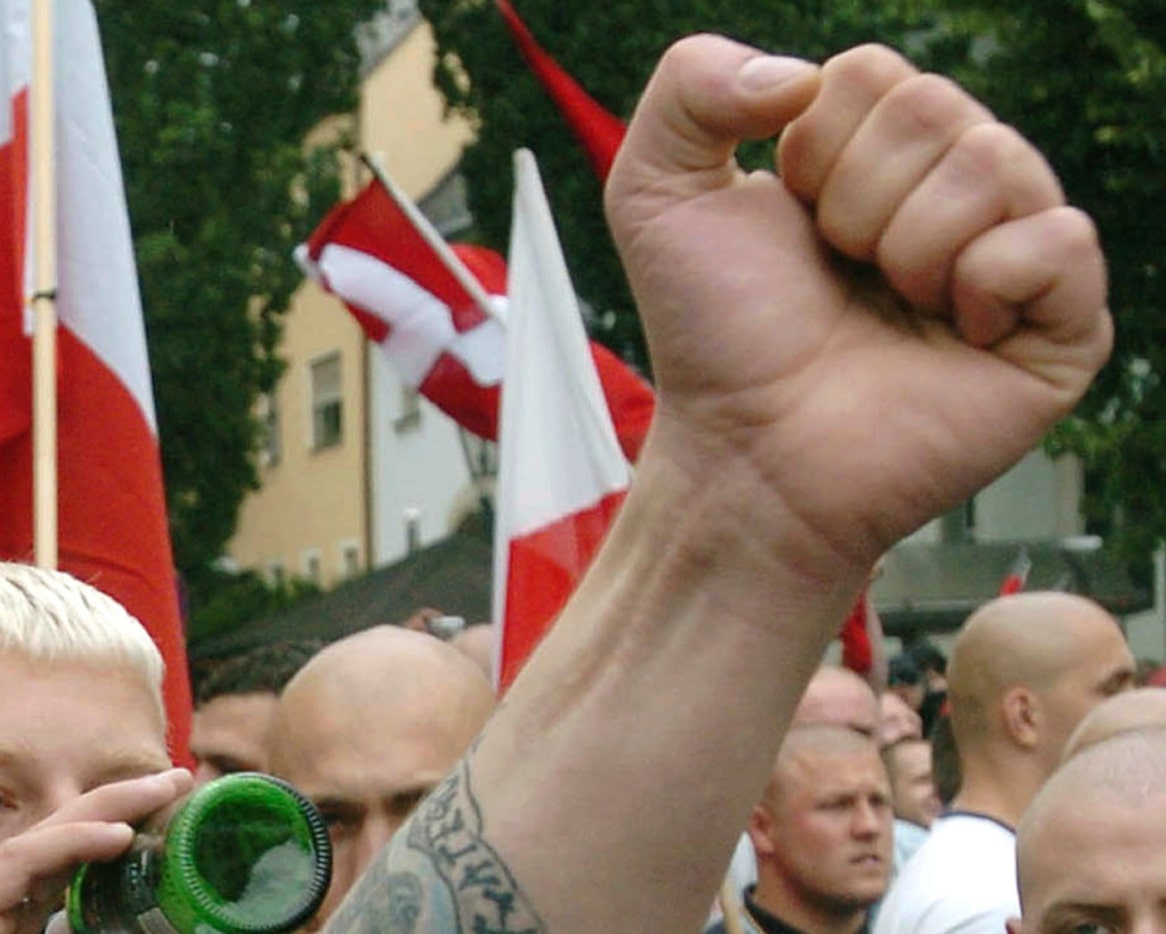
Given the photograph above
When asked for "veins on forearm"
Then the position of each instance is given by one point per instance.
(439, 876)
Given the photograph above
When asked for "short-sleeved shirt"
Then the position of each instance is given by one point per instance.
(962, 880)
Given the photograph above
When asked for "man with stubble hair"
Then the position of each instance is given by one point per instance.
(1091, 850)
(235, 704)
(822, 834)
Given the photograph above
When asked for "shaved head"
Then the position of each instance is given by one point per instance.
(1104, 863)
(1131, 710)
(388, 666)
(477, 642)
(368, 727)
(807, 744)
(822, 832)
(381, 680)
(1031, 640)
(838, 697)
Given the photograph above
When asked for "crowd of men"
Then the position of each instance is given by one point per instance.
(912, 264)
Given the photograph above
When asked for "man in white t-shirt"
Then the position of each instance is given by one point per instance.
(1024, 671)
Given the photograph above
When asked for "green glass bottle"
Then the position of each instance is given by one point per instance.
(244, 854)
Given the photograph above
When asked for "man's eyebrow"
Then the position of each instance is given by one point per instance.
(1064, 912)
(125, 765)
(334, 802)
(17, 757)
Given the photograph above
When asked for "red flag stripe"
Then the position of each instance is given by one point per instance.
(561, 474)
(113, 530)
(372, 223)
(1017, 576)
(599, 132)
(544, 567)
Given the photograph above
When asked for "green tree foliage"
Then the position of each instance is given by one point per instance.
(1086, 79)
(231, 599)
(212, 101)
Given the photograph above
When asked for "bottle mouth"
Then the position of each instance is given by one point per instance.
(247, 854)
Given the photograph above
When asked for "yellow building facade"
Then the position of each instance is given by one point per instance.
(357, 470)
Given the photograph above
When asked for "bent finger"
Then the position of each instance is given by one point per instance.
(128, 800)
(707, 94)
(35, 865)
(852, 84)
(903, 137)
(1035, 289)
(989, 175)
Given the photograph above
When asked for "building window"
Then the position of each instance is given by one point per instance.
(349, 560)
(272, 451)
(327, 402)
(312, 566)
(447, 205)
(276, 574)
(410, 417)
(412, 529)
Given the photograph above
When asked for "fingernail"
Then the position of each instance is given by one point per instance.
(768, 71)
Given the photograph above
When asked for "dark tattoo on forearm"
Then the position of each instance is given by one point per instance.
(439, 876)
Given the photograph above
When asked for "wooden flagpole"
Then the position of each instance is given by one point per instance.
(434, 238)
(42, 164)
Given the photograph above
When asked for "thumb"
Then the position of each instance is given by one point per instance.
(707, 94)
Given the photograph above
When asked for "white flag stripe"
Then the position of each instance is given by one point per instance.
(560, 451)
(15, 63)
(422, 328)
(483, 350)
(95, 260)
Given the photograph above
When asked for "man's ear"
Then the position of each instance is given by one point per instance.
(1014, 925)
(760, 830)
(1021, 711)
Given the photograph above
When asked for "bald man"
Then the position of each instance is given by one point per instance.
(838, 697)
(1091, 850)
(1024, 671)
(834, 697)
(477, 642)
(822, 833)
(367, 728)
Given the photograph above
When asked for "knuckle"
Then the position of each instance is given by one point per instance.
(931, 105)
(1074, 232)
(870, 64)
(985, 148)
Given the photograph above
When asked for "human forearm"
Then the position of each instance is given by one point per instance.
(675, 667)
(689, 632)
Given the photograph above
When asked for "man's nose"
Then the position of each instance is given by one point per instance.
(867, 818)
(377, 831)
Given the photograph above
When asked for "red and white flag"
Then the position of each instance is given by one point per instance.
(410, 302)
(1017, 576)
(562, 476)
(113, 530)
